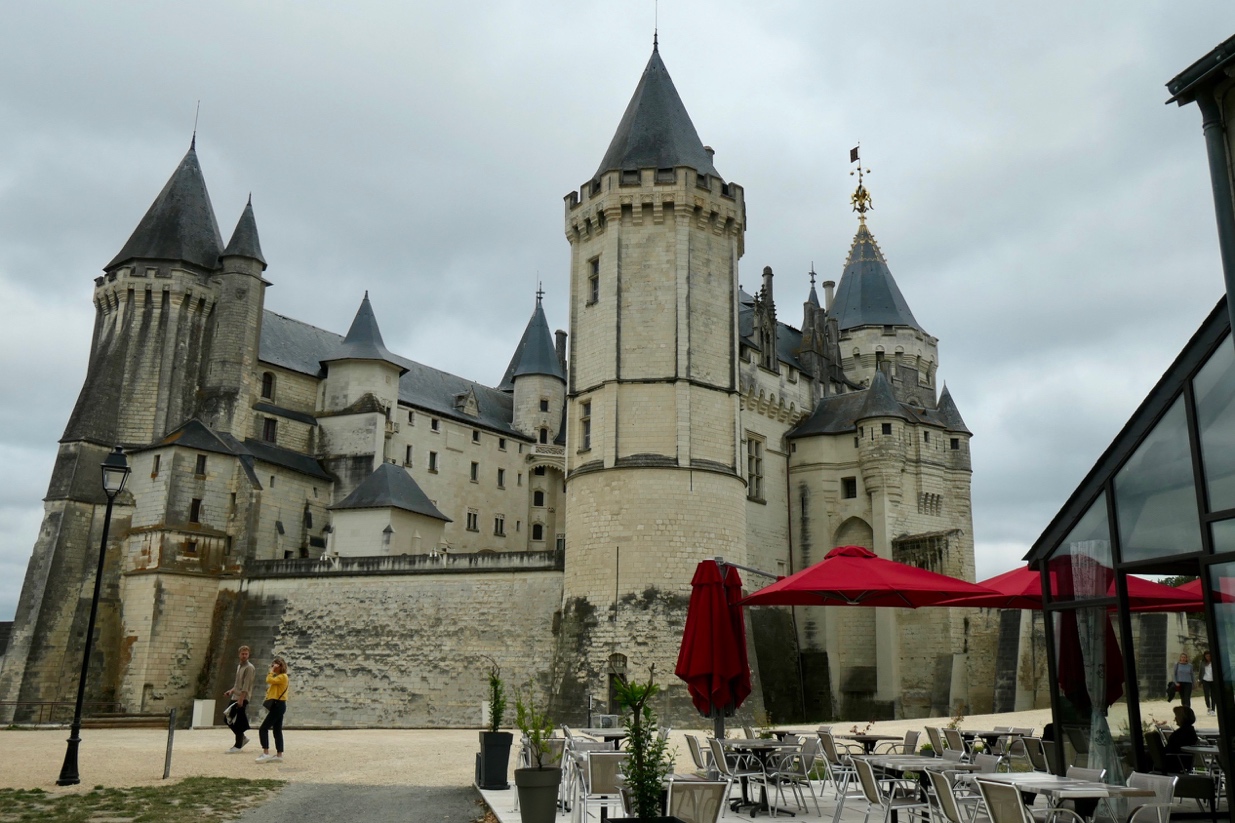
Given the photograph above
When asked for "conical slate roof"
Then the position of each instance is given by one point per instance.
(244, 242)
(364, 339)
(180, 224)
(951, 415)
(391, 487)
(880, 401)
(656, 132)
(867, 294)
(535, 353)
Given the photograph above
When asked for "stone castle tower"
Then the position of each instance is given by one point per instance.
(654, 478)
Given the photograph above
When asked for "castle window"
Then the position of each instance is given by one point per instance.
(856, 442)
(539, 471)
(501, 478)
(585, 426)
(475, 436)
(538, 498)
(886, 428)
(561, 542)
(956, 444)
(190, 547)
(407, 456)
(666, 176)
(501, 444)
(499, 525)
(475, 472)
(195, 510)
(544, 435)
(890, 330)
(849, 488)
(473, 520)
(701, 180)
(518, 526)
(200, 469)
(268, 385)
(593, 282)
(544, 404)
(630, 177)
(154, 472)
(519, 482)
(270, 430)
(538, 531)
(435, 424)
(433, 462)
(411, 418)
(754, 467)
(926, 437)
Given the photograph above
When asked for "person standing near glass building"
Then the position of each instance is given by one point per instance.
(1183, 680)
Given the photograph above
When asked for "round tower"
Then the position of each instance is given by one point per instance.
(654, 471)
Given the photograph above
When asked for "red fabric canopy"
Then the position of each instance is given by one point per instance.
(1022, 589)
(855, 576)
(712, 659)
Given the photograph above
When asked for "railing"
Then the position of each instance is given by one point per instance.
(441, 563)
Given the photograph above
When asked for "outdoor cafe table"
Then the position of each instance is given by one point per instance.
(783, 733)
(1209, 754)
(869, 741)
(762, 749)
(607, 735)
(1057, 788)
(989, 737)
(900, 763)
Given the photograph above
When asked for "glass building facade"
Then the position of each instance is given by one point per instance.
(1159, 501)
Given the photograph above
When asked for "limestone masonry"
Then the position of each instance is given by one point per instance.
(385, 525)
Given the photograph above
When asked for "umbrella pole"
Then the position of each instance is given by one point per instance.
(718, 726)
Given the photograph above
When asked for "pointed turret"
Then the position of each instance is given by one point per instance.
(364, 339)
(880, 401)
(813, 297)
(951, 415)
(180, 224)
(867, 295)
(536, 352)
(656, 132)
(244, 242)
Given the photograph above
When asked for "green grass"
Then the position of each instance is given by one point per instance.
(192, 799)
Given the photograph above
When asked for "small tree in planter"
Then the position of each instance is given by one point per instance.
(538, 783)
(649, 762)
(494, 759)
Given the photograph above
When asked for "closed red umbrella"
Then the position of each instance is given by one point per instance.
(712, 659)
(1022, 589)
(856, 576)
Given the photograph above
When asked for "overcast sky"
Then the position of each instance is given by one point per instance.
(1045, 215)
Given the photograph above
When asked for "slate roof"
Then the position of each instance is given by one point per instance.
(879, 401)
(951, 415)
(867, 295)
(364, 339)
(179, 225)
(788, 339)
(196, 435)
(840, 413)
(299, 347)
(245, 242)
(656, 132)
(390, 486)
(535, 354)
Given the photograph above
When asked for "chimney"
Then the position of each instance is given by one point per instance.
(828, 286)
(711, 152)
(767, 284)
(560, 338)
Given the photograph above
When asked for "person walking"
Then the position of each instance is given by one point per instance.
(1183, 680)
(276, 708)
(1207, 681)
(240, 692)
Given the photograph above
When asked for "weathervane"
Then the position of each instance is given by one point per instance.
(861, 198)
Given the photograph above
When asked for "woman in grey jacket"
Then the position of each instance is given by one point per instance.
(1183, 680)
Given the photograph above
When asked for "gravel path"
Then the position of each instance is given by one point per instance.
(328, 803)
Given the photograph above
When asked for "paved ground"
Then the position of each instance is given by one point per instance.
(331, 802)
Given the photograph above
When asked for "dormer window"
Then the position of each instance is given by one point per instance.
(631, 177)
(544, 435)
(666, 176)
(702, 181)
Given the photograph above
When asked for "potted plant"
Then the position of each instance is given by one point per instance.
(649, 763)
(494, 757)
(538, 783)
(927, 750)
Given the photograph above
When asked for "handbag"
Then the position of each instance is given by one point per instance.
(1171, 688)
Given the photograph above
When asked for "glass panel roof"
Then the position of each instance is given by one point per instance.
(1081, 564)
(1215, 416)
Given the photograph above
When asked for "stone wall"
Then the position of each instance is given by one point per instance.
(391, 641)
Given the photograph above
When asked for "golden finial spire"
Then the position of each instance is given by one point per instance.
(861, 198)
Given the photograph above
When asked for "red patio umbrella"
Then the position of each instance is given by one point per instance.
(712, 659)
(1022, 589)
(856, 576)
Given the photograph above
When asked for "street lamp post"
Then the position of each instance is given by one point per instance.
(115, 472)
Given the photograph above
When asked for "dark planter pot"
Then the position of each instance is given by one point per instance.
(650, 819)
(537, 794)
(494, 759)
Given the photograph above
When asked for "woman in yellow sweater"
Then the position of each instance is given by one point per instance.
(276, 707)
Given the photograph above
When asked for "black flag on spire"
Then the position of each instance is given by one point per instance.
(853, 155)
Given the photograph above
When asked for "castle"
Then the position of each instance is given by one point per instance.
(384, 524)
